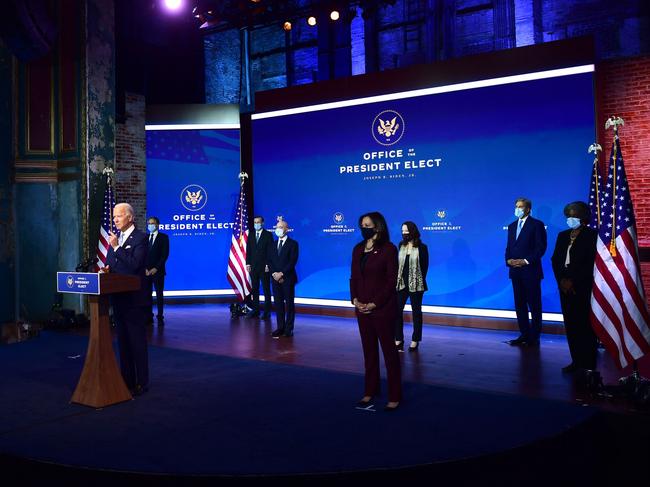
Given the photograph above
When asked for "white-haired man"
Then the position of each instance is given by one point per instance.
(127, 254)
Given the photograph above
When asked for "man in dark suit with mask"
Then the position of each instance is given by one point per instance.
(127, 254)
(257, 249)
(156, 259)
(282, 260)
(524, 251)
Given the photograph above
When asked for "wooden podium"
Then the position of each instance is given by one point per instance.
(101, 382)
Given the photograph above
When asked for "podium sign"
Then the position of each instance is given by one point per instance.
(101, 382)
(78, 282)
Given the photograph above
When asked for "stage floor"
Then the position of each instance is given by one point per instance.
(464, 358)
(228, 401)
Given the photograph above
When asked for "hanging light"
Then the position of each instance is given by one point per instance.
(287, 26)
(335, 15)
(311, 20)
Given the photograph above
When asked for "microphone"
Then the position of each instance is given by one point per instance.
(86, 265)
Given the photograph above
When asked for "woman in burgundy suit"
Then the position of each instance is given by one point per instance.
(372, 289)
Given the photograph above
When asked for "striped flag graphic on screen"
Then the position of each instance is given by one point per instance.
(237, 275)
(107, 221)
(619, 314)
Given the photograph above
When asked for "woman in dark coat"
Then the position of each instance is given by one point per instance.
(413, 264)
(573, 266)
(372, 290)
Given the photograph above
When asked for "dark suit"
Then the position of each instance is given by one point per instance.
(157, 257)
(130, 310)
(527, 280)
(375, 283)
(256, 256)
(284, 261)
(576, 307)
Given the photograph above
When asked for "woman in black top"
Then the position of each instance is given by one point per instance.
(573, 265)
(411, 282)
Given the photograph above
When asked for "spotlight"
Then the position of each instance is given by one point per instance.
(334, 15)
(173, 4)
(287, 26)
(311, 20)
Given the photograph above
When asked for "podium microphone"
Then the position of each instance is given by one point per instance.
(86, 265)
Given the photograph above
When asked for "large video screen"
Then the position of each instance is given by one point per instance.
(193, 187)
(451, 159)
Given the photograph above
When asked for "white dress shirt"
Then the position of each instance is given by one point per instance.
(125, 235)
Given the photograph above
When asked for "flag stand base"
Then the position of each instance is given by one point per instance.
(636, 387)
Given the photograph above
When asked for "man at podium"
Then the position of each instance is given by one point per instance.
(127, 254)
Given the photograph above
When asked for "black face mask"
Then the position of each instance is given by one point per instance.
(407, 237)
(367, 233)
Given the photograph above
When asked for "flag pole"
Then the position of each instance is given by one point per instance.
(108, 172)
(634, 385)
(243, 176)
(595, 147)
(613, 122)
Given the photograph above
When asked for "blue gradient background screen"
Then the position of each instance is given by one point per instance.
(205, 160)
(494, 144)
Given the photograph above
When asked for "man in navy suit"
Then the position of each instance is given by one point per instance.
(257, 250)
(156, 259)
(127, 254)
(526, 246)
(282, 260)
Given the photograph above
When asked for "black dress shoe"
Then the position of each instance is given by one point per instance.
(277, 333)
(138, 390)
(414, 348)
(288, 334)
(569, 369)
(400, 347)
(517, 342)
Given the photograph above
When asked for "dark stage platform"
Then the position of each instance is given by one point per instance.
(238, 406)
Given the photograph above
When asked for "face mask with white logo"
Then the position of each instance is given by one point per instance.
(573, 222)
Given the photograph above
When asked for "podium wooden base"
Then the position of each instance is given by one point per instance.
(101, 382)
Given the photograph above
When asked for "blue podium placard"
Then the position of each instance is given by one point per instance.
(77, 282)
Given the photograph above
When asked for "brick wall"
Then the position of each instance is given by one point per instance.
(623, 89)
(222, 66)
(130, 158)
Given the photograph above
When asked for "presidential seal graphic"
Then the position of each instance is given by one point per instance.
(338, 227)
(194, 197)
(442, 223)
(388, 127)
(69, 281)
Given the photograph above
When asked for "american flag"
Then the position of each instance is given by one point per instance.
(107, 221)
(619, 314)
(594, 195)
(237, 274)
